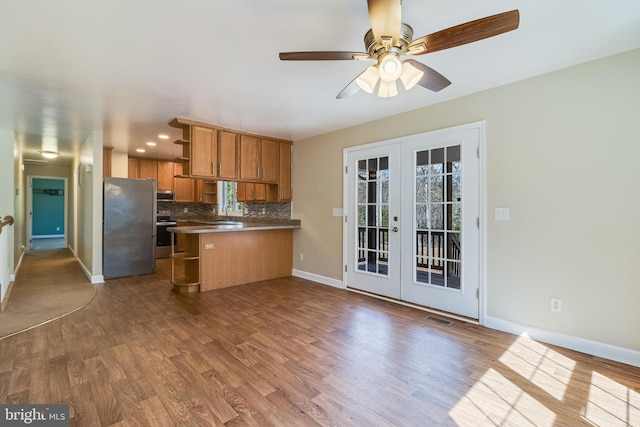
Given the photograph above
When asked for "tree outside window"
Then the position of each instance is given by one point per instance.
(228, 199)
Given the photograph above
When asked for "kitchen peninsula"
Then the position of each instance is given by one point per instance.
(218, 254)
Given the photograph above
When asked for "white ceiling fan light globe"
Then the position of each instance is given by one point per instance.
(387, 89)
(367, 80)
(390, 68)
(410, 75)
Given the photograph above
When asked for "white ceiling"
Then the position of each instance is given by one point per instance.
(68, 67)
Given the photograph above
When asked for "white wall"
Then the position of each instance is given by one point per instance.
(562, 154)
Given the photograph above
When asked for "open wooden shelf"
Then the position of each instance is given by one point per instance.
(185, 266)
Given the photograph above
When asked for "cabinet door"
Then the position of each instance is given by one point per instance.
(260, 192)
(269, 155)
(284, 179)
(148, 169)
(165, 175)
(249, 157)
(228, 155)
(241, 191)
(133, 168)
(204, 153)
(106, 161)
(183, 188)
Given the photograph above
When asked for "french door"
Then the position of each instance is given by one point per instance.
(412, 229)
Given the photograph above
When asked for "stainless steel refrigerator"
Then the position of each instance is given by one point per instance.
(129, 227)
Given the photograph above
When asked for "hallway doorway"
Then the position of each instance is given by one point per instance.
(47, 212)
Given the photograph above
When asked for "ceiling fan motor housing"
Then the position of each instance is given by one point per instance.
(374, 49)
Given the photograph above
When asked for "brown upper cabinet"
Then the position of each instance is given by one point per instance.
(106, 161)
(269, 160)
(258, 159)
(203, 156)
(284, 172)
(148, 169)
(165, 175)
(228, 155)
(212, 152)
(183, 188)
(133, 168)
(249, 158)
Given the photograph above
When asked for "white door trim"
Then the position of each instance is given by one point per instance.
(480, 126)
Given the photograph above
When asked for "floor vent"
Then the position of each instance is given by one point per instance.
(439, 320)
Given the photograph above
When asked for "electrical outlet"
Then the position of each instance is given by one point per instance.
(263, 211)
(556, 305)
(186, 210)
(501, 214)
(208, 245)
(57, 228)
(301, 257)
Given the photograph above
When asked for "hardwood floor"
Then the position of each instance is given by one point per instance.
(289, 352)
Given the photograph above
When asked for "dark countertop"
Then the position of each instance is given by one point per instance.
(213, 225)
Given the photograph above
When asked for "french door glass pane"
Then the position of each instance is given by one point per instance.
(438, 217)
(373, 215)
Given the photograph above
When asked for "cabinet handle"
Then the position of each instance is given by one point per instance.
(213, 167)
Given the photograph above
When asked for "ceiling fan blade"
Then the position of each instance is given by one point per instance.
(350, 89)
(386, 19)
(321, 56)
(466, 33)
(431, 79)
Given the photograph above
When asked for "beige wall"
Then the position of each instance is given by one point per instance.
(19, 227)
(88, 206)
(562, 153)
(6, 208)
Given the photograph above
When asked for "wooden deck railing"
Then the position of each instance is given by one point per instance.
(435, 251)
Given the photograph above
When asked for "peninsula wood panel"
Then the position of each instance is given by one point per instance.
(244, 257)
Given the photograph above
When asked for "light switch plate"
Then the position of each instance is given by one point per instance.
(337, 212)
(502, 214)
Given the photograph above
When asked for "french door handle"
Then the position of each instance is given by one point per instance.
(394, 229)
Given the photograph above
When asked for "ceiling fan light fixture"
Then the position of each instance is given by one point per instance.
(387, 89)
(368, 79)
(49, 154)
(410, 75)
(390, 68)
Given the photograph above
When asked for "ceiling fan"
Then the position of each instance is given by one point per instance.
(389, 39)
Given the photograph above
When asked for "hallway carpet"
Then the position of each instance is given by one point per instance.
(49, 285)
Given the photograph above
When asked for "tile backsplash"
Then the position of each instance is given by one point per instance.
(253, 210)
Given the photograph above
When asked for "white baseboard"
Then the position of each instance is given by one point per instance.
(595, 348)
(317, 278)
(99, 278)
(12, 277)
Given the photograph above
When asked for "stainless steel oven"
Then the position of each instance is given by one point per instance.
(163, 237)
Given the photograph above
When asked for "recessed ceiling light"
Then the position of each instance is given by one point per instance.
(151, 144)
(163, 136)
(140, 150)
(49, 154)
